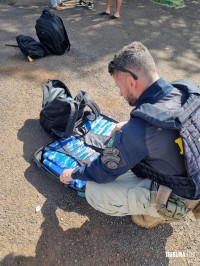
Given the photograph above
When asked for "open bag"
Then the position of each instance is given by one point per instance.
(79, 130)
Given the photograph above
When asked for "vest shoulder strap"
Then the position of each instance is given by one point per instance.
(167, 118)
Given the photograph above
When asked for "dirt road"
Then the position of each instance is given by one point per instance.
(67, 231)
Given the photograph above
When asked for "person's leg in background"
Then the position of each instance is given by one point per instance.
(108, 5)
(90, 5)
(107, 10)
(83, 3)
(58, 5)
(117, 9)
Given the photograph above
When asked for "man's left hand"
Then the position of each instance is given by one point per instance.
(66, 176)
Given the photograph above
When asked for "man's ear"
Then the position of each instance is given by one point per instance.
(131, 82)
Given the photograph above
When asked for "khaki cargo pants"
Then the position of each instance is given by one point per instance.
(127, 195)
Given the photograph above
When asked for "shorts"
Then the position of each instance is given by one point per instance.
(55, 2)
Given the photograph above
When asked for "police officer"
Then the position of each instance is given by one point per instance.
(125, 179)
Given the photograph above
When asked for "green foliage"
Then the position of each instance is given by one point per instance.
(171, 3)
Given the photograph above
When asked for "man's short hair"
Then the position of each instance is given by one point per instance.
(136, 57)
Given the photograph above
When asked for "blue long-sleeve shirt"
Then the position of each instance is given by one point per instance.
(138, 140)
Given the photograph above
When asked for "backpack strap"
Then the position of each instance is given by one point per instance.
(82, 162)
(72, 119)
(12, 45)
(47, 12)
(74, 107)
(67, 152)
(93, 106)
(66, 36)
(84, 98)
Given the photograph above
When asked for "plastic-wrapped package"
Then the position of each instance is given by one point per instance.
(78, 183)
(58, 171)
(53, 167)
(89, 125)
(106, 129)
(68, 153)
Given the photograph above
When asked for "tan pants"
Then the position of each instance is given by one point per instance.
(127, 195)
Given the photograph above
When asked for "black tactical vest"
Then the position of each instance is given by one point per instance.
(187, 122)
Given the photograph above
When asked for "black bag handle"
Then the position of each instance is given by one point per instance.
(84, 98)
(47, 11)
(94, 107)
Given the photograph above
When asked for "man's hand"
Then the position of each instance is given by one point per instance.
(118, 127)
(66, 176)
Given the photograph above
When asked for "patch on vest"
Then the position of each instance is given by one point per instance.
(111, 141)
(179, 142)
(110, 158)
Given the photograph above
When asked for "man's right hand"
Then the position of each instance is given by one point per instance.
(118, 127)
(66, 176)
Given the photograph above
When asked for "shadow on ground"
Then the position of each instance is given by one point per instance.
(171, 34)
(123, 241)
(173, 38)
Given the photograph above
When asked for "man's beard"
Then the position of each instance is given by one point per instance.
(131, 100)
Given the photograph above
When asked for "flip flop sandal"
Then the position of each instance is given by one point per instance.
(104, 14)
(114, 17)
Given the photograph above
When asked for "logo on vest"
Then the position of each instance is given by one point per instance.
(110, 142)
(179, 142)
(110, 158)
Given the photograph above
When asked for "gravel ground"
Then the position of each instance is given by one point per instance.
(67, 231)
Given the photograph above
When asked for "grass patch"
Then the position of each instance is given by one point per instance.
(171, 3)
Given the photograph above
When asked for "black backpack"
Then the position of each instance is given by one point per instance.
(51, 32)
(61, 114)
(31, 48)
